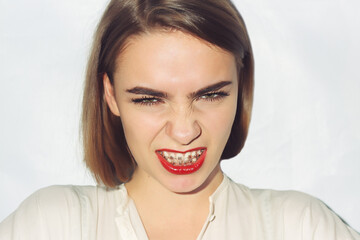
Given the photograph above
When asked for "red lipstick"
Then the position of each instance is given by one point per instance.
(181, 163)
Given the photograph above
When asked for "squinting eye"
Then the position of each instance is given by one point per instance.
(213, 96)
(148, 101)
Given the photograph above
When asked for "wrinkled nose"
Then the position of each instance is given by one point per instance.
(183, 128)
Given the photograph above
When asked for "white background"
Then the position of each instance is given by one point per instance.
(304, 135)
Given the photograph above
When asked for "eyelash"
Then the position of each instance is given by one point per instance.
(213, 96)
(147, 101)
(210, 96)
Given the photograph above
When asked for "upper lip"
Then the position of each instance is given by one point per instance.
(176, 151)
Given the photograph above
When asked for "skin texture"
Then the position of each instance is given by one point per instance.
(178, 65)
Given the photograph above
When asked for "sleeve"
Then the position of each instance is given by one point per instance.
(322, 223)
(50, 213)
(307, 218)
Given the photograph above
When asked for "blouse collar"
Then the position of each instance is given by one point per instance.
(123, 218)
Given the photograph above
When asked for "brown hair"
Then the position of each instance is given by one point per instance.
(215, 21)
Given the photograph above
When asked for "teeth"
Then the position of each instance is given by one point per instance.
(178, 159)
(179, 156)
(187, 157)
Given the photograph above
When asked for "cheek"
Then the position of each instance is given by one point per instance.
(140, 126)
(220, 120)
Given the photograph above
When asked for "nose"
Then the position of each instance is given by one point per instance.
(183, 128)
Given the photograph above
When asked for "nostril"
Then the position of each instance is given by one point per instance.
(196, 137)
(183, 132)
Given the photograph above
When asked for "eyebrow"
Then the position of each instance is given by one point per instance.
(210, 88)
(147, 91)
(161, 94)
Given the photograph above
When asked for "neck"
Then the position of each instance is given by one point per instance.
(159, 207)
(147, 191)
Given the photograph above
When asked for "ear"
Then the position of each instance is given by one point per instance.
(109, 94)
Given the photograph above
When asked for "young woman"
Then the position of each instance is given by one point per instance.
(168, 95)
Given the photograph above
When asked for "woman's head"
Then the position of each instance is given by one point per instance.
(215, 22)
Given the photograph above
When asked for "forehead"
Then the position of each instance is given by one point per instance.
(173, 57)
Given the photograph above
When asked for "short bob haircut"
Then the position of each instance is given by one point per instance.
(216, 21)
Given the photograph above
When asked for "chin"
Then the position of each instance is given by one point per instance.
(191, 183)
(184, 185)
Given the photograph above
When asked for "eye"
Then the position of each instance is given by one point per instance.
(213, 96)
(147, 101)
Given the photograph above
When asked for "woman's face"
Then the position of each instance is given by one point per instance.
(176, 96)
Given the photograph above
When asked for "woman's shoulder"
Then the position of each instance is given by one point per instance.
(58, 197)
(54, 211)
(290, 199)
(283, 198)
(61, 194)
(287, 203)
(72, 195)
(295, 213)
(65, 199)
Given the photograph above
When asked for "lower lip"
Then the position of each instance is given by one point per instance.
(182, 170)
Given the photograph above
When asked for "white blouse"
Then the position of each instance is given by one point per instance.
(236, 212)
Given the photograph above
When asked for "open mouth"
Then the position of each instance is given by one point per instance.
(181, 162)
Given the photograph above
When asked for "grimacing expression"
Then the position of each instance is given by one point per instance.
(174, 93)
